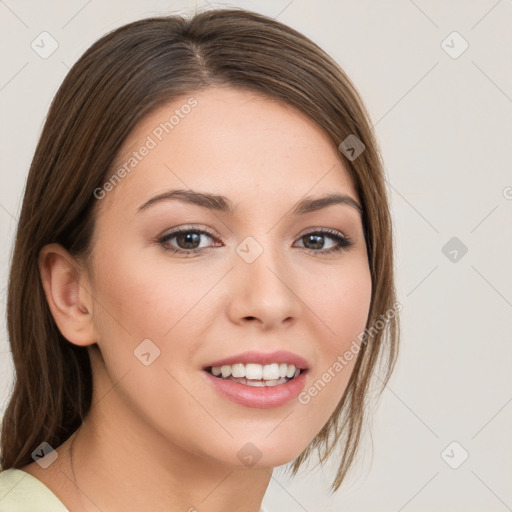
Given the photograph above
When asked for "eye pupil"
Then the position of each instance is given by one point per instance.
(190, 240)
(318, 241)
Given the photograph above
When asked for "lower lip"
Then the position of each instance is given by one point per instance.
(259, 397)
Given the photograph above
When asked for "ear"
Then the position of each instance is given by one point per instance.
(67, 292)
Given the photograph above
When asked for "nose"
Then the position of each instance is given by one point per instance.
(264, 291)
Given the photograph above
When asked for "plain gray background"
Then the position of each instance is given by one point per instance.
(444, 123)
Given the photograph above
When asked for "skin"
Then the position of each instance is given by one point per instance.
(158, 437)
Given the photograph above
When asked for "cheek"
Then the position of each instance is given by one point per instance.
(155, 300)
(160, 303)
(141, 297)
(340, 299)
(342, 306)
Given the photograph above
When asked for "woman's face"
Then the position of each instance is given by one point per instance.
(257, 285)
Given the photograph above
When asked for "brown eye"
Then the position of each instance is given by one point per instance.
(315, 241)
(190, 240)
(185, 241)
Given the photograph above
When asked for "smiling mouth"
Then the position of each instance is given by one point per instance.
(256, 375)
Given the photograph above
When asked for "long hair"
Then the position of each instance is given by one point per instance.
(119, 80)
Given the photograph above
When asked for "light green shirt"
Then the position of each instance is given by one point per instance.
(21, 492)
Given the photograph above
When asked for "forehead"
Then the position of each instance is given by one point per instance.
(245, 146)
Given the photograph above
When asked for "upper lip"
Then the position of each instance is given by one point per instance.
(279, 356)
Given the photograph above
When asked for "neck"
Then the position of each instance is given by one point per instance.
(118, 462)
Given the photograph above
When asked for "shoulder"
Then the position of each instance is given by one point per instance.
(21, 492)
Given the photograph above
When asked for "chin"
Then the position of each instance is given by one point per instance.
(260, 453)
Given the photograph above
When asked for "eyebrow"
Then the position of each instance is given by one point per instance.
(223, 204)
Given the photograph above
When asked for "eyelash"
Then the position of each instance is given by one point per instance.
(343, 241)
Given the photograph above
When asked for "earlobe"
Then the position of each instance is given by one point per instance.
(68, 297)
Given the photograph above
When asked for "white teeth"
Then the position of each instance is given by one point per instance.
(255, 383)
(238, 370)
(291, 371)
(258, 383)
(271, 371)
(226, 371)
(276, 382)
(254, 371)
(268, 374)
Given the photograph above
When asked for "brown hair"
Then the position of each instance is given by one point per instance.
(120, 79)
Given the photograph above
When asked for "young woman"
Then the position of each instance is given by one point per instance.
(202, 280)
